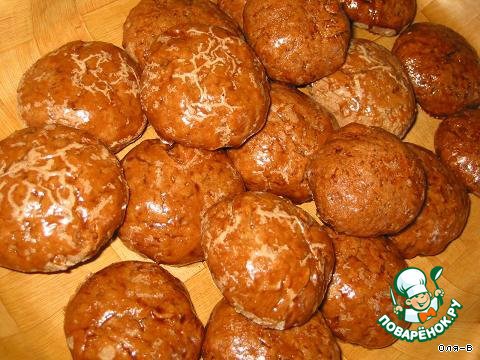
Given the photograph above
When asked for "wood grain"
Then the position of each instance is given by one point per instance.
(31, 306)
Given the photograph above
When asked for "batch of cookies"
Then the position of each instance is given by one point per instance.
(258, 105)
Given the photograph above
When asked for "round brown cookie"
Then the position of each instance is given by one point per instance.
(271, 260)
(366, 182)
(234, 9)
(444, 214)
(204, 87)
(384, 17)
(276, 158)
(151, 18)
(443, 67)
(92, 86)
(62, 195)
(359, 294)
(371, 88)
(170, 189)
(132, 309)
(457, 143)
(298, 41)
(232, 336)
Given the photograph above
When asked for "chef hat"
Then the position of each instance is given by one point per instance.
(410, 282)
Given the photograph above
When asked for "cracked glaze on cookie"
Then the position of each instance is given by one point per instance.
(92, 86)
(271, 260)
(171, 187)
(204, 87)
(132, 309)
(62, 195)
(150, 18)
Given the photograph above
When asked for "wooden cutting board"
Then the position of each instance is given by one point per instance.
(32, 306)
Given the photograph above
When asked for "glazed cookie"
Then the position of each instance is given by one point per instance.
(443, 67)
(271, 260)
(232, 336)
(359, 294)
(384, 17)
(276, 158)
(132, 309)
(62, 195)
(444, 214)
(170, 188)
(298, 41)
(151, 18)
(457, 143)
(352, 92)
(234, 9)
(366, 182)
(92, 86)
(204, 87)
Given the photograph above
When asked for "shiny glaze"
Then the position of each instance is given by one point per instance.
(204, 87)
(365, 182)
(132, 310)
(359, 293)
(444, 214)
(92, 86)
(62, 195)
(352, 92)
(271, 260)
(298, 41)
(457, 143)
(234, 9)
(443, 68)
(385, 17)
(151, 18)
(232, 336)
(276, 158)
(170, 189)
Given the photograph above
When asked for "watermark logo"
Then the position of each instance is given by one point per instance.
(420, 305)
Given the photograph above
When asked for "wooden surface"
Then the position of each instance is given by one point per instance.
(31, 306)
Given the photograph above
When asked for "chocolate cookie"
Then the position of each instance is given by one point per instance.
(457, 143)
(231, 336)
(276, 158)
(353, 94)
(443, 67)
(366, 182)
(151, 18)
(132, 309)
(384, 17)
(444, 214)
(171, 187)
(92, 86)
(62, 195)
(204, 87)
(298, 41)
(271, 260)
(359, 294)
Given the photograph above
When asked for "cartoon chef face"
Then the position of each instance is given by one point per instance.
(420, 301)
(411, 284)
